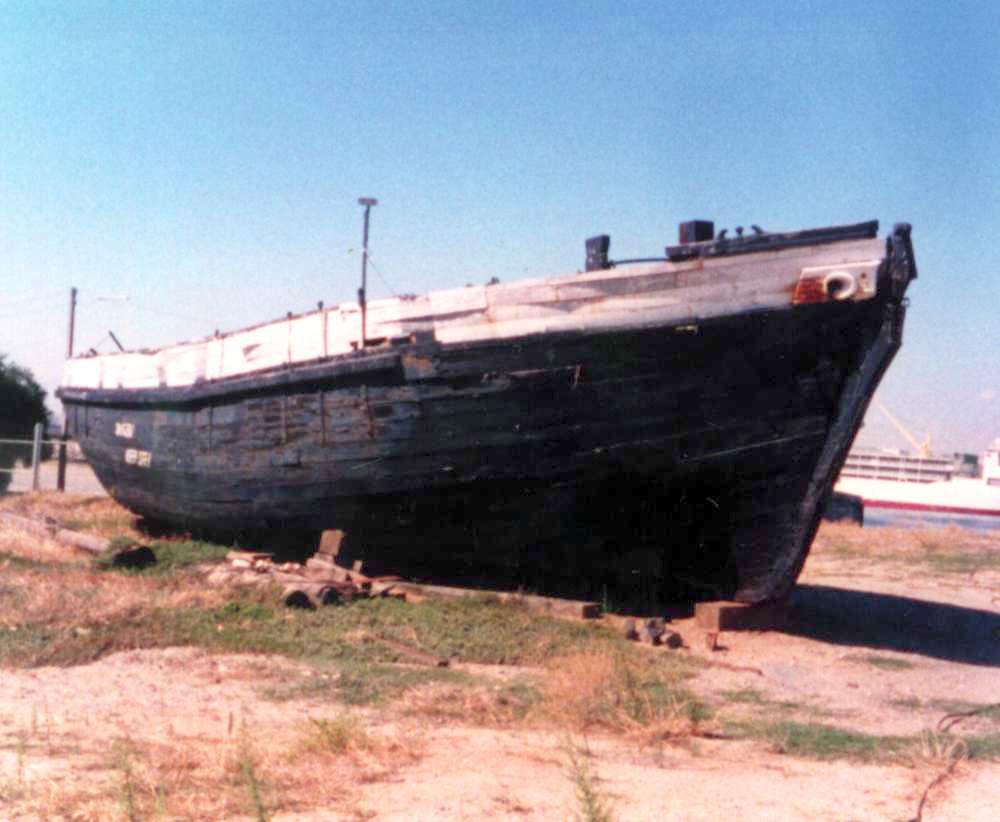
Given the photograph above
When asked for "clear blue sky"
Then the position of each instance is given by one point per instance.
(204, 159)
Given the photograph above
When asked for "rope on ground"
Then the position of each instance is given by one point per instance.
(941, 777)
(961, 750)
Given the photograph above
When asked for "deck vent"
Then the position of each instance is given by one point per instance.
(696, 231)
(597, 252)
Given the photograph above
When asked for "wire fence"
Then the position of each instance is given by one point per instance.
(40, 463)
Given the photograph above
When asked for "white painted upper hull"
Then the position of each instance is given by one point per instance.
(628, 297)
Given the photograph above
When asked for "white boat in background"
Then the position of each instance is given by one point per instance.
(921, 482)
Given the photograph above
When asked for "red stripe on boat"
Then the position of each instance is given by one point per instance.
(942, 509)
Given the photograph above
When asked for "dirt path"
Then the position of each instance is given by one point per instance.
(877, 648)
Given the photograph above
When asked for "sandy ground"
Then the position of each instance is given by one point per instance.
(57, 725)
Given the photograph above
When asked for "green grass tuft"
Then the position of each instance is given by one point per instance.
(825, 742)
(885, 663)
(985, 747)
(171, 556)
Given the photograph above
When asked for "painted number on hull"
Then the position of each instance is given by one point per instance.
(124, 429)
(133, 456)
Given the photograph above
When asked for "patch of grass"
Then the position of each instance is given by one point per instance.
(520, 697)
(885, 663)
(20, 644)
(748, 696)
(951, 561)
(984, 746)
(18, 563)
(940, 551)
(477, 701)
(171, 556)
(758, 699)
(319, 683)
(909, 702)
(77, 512)
(840, 549)
(957, 706)
(368, 684)
(342, 643)
(336, 736)
(825, 742)
(633, 694)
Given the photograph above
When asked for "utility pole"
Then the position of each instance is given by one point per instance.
(61, 475)
(367, 202)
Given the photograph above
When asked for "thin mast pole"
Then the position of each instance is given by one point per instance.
(367, 202)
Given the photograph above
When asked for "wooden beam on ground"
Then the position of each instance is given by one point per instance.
(75, 539)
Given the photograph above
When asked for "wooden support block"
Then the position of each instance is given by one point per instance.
(314, 595)
(318, 563)
(329, 543)
(249, 556)
(737, 616)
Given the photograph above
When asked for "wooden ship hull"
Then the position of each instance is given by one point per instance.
(670, 427)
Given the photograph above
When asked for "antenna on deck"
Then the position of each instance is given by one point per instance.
(367, 202)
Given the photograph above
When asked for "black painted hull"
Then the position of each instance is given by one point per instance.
(675, 459)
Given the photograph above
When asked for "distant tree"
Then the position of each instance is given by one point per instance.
(22, 404)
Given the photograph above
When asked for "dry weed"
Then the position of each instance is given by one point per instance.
(97, 515)
(942, 754)
(345, 739)
(483, 706)
(841, 537)
(78, 597)
(17, 542)
(936, 751)
(256, 772)
(601, 690)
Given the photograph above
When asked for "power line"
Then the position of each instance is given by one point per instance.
(381, 276)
